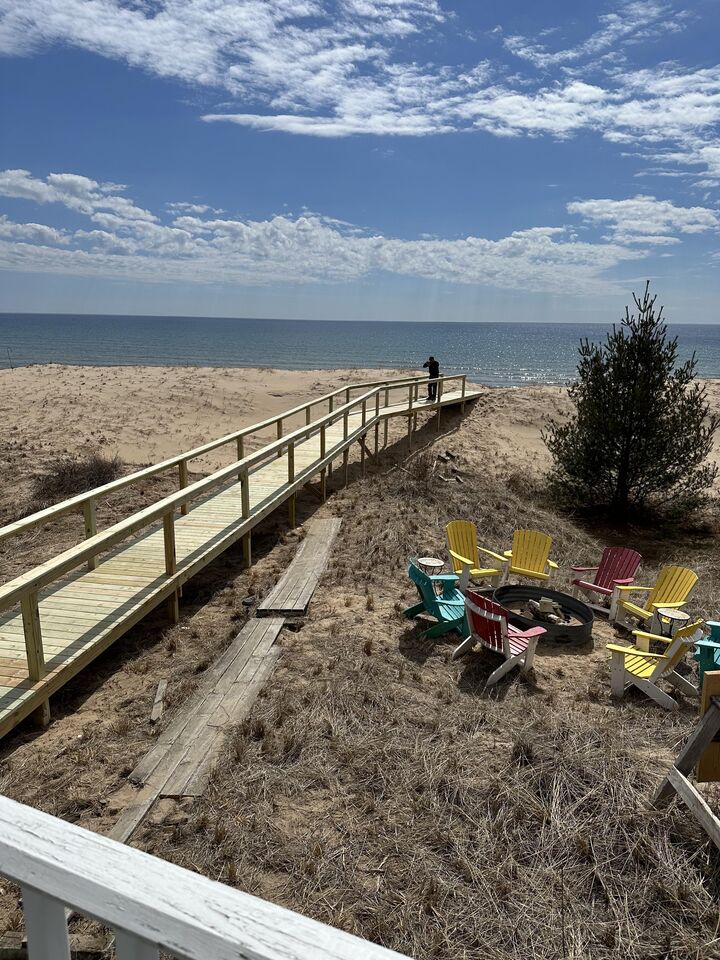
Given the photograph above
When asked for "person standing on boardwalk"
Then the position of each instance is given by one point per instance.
(433, 373)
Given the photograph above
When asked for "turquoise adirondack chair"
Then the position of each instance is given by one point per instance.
(707, 650)
(448, 608)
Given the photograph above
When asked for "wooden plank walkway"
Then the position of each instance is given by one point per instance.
(294, 590)
(181, 760)
(75, 619)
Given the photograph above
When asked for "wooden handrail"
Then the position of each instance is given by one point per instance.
(46, 573)
(78, 502)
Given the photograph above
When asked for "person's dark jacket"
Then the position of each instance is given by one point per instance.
(433, 368)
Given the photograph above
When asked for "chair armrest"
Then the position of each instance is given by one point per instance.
(586, 570)
(639, 590)
(671, 606)
(652, 636)
(444, 578)
(552, 565)
(495, 556)
(460, 558)
(625, 582)
(633, 652)
(508, 554)
(710, 644)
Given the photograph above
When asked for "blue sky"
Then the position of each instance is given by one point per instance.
(360, 159)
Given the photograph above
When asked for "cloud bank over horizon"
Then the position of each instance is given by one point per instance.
(194, 244)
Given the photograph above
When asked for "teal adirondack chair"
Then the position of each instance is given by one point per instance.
(448, 608)
(707, 650)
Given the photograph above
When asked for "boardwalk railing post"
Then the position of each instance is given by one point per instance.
(377, 422)
(279, 434)
(308, 418)
(240, 453)
(34, 650)
(90, 515)
(439, 401)
(410, 416)
(330, 410)
(364, 412)
(171, 563)
(291, 478)
(347, 395)
(462, 394)
(245, 494)
(323, 488)
(183, 472)
(385, 424)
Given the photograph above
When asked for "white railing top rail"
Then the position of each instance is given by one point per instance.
(77, 502)
(156, 904)
(45, 573)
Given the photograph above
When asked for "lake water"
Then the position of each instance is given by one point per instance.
(502, 354)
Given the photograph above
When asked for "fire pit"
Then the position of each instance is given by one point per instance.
(566, 619)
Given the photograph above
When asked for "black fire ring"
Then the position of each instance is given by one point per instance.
(512, 595)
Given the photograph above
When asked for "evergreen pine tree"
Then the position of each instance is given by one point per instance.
(641, 430)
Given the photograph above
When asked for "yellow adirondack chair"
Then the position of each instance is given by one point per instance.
(464, 553)
(529, 557)
(672, 589)
(636, 666)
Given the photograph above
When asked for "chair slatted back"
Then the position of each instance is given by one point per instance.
(487, 621)
(530, 550)
(673, 585)
(616, 563)
(424, 584)
(462, 538)
(683, 641)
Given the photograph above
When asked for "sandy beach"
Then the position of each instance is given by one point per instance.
(146, 414)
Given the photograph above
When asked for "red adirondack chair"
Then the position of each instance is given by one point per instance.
(488, 625)
(618, 566)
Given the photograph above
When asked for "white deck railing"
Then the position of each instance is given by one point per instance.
(148, 903)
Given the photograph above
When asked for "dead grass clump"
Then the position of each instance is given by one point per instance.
(67, 476)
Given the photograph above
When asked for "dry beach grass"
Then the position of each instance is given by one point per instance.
(377, 785)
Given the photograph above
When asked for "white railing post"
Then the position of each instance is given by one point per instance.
(45, 926)
(90, 515)
(130, 947)
(462, 394)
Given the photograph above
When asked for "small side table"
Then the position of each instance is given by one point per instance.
(432, 566)
(666, 620)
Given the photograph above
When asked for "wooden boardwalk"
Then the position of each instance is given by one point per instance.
(293, 593)
(73, 607)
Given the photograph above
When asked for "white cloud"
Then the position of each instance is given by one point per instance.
(73, 191)
(284, 249)
(30, 232)
(337, 68)
(633, 22)
(645, 219)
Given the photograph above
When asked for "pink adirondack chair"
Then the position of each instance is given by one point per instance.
(618, 566)
(488, 625)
